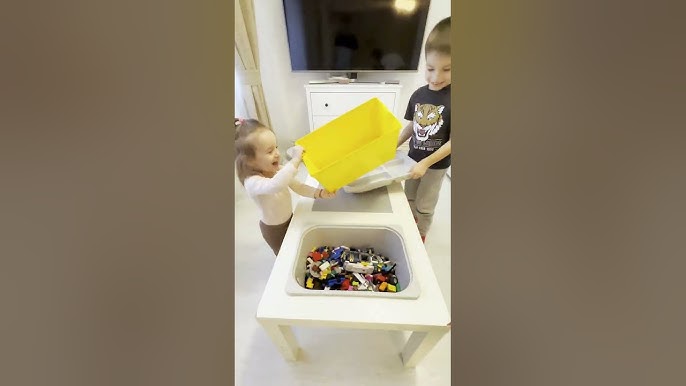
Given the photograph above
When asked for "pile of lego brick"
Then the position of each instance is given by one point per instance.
(350, 269)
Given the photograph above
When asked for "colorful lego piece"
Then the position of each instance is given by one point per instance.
(378, 278)
(314, 271)
(358, 267)
(349, 269)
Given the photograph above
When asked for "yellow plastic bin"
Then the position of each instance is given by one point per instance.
(351, 145)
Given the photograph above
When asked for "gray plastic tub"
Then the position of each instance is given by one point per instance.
(385, 240)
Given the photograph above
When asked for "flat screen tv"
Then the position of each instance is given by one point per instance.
(355, 35)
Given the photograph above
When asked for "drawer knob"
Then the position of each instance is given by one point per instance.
(326, 105)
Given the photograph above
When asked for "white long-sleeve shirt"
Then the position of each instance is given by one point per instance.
(272, 195)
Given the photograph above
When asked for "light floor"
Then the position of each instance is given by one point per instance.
(329, 357)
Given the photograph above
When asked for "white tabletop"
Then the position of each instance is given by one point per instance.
(427, 312)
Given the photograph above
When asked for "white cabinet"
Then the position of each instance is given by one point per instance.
(326, 102)
(337, 103)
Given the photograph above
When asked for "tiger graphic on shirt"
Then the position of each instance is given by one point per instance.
(427, 120)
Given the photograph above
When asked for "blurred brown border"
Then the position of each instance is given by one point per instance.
(569, 178)
(453, 196)
(230, 363)
(116, 199)
(454, 31)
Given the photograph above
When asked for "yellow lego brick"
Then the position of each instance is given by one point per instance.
(391, 288)
(383, 286)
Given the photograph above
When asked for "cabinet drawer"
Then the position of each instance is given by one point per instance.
(337, 103)
(321, 120)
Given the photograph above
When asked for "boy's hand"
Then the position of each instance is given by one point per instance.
(323, 193)
(418, 170)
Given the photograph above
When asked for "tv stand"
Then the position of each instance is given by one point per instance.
(339, 80)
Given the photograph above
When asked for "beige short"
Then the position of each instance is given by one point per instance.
(274, 234)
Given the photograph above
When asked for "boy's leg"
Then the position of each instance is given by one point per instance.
(411, 194)
(427, 197)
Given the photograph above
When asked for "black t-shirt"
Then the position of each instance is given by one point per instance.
(429, 112)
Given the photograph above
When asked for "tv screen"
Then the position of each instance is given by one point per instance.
(355, 35)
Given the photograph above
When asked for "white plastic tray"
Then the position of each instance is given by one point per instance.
(392, 171)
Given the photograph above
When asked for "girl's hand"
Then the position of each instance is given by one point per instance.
(296, 153)
(323, 193)
(418, 170)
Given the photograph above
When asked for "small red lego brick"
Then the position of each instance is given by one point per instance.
(316, 256)
(378, 278)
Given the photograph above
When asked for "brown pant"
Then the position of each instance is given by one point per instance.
(274, 234)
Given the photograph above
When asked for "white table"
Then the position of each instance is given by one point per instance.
(427, 317)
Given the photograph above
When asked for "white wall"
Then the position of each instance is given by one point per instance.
(285, 90)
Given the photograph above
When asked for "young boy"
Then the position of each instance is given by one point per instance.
(429, 113)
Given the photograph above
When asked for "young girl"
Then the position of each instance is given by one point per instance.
(266, 181)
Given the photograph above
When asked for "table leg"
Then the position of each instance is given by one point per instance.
(418, 345)
(283, 338)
